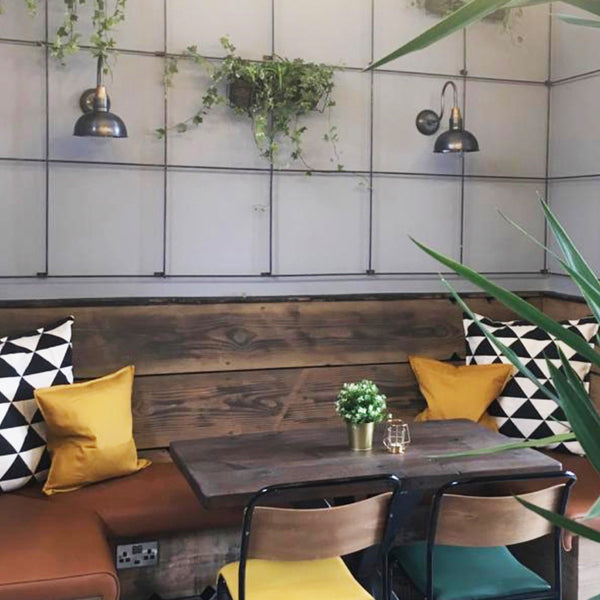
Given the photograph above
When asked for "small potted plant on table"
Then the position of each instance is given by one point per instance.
(361, 405)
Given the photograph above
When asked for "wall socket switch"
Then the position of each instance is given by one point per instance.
(133, 556)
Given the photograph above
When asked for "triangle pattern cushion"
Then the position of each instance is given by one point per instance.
(35, 359)
(459, 392)
(523, 410)
(464, 572)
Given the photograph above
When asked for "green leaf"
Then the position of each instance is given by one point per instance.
(594, 512)
(579, 21)
(518, 305)
(572, 255)
(592, 6)
(590, 292)
(560, 521)
(471, 12)
(539, 443)
(578, 408)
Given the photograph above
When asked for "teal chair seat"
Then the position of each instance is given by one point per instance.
(466, 573)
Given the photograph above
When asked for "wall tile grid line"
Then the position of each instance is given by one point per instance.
(203, 205)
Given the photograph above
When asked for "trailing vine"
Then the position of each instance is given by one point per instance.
(274, 94)
(105, 20)
(31, 5)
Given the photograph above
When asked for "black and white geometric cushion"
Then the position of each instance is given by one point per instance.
(523, 410)
(34, 360)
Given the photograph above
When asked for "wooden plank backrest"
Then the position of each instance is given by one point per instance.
(480, 521)
(207, 369)
(306, 534)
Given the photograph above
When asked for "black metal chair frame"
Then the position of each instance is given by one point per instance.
(556, 590)
(267, 492)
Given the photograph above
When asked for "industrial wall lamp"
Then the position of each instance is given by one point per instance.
(96, 120)
(456, 139)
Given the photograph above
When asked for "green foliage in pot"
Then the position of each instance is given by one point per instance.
(361, 402)
(275, 94)
(570, 394)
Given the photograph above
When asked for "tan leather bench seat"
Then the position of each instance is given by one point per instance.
(586, 489)
(584, 492)
(53, 553)
(156, 501)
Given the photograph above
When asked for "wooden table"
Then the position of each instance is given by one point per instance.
(226, 471)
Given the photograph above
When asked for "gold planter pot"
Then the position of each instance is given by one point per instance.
(360, 437)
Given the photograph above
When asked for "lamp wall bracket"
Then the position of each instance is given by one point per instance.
(86, 101)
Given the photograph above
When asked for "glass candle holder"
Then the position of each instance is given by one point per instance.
(397, 436)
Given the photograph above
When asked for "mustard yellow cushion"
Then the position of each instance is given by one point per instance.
(90, 431)
(459, 392)
(324, 579)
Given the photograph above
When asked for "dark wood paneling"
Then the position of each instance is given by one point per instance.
(181, 338)
(562, 310)
(176, 407)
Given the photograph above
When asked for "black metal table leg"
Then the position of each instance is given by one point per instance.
(365, 565)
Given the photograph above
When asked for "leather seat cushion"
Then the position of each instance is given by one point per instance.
(53, 553)
(157, 501)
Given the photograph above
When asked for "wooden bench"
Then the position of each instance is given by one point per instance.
(215, 368)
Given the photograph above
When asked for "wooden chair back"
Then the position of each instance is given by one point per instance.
(481, 521)
(305, 534)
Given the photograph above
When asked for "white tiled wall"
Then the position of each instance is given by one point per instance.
(514, 49)
(575, 134)
(22, 225)
(491, 243)
(320, 224)
(22, 101)
(577, 206)
(510, 122)
(218, 223)
(575, 131)
(107, 219)
(574, 49)
(424, 209)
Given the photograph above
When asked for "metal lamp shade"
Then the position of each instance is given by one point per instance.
(456, 140)
(100, 124)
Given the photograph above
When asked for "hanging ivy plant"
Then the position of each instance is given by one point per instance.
(31, 5)
(104, 21)
(106, 16)
(274, 94)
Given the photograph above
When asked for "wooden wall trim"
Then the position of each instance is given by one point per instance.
(204, 338)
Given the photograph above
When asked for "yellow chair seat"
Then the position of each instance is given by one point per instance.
(326, 579)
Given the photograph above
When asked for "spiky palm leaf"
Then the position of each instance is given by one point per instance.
(570, 391)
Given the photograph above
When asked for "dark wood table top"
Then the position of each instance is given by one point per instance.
(226, 471)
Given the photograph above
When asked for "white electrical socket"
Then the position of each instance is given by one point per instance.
(133, 556)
